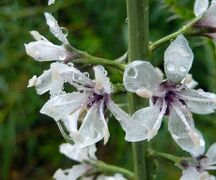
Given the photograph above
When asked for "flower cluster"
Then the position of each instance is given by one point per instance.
(81, 113)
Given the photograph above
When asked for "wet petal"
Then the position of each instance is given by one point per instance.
(71, 174)
(61, 106)
(150, 118)
(76, 153)
(43, 50)
(190, 173)
(211, 154)
(198, 101)
(209, 18)
(178, 59)
(50, 2)
(143, 125)
(37, 36)
(134, 132)
(54, 28)
(200, 7)
(51, 80)
(101, 79)
(94, 127)
(182, 129)
(141, 75)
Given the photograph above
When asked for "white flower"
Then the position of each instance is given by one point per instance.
(44, 50)
(202, 164)
(50, 2)
(208, 16)
(77, 171)
(87, 107)
(170, 97)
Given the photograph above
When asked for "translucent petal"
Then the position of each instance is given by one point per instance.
(198, 101)
(178, 59)
(76, 153)
(182, 129)
(37, 36)
(150, 118)
(101, 79)
(134, 132)
(141, 75)
(61, 106)
(54, 28)
(94, 127)
(50, 2)
(211, 154)
(200, 7)
(143, 125)
(190, 174)
(209, 18)
(71, 174)
(51, 80)
(43, 50)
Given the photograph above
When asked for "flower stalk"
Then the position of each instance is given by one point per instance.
(186, 29)
(108, 169)
(138, 29)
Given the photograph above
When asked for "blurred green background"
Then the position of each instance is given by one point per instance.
(28, 140)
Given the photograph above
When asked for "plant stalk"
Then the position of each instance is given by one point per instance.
(138, 49)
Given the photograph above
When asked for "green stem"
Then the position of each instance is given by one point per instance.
(89, 59)
(138, 29)
(186, 29)
(108, 169)
(83, 57)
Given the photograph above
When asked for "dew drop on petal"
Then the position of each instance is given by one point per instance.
(65, 31)
(170, 67)
(86, 74)
(183, 69)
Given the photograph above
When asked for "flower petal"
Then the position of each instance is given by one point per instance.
(141, 75)
(101, 79)
(37, 36)
(61, 106)
(133, 131)
(182, 129)
(51, 80)
(50, 2)
(209, 20)
(76, 153)
(198, 101)
(54, 28)
(94, 127)
(115, 177)
(190, 173)
(43, 50)
(211, 154)
(200, 7)
(178, 59)
(71, 174)
(150, 118)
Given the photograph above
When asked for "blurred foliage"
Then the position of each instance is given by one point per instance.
(29, 141)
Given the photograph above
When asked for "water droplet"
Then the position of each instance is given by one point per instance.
(126, 20)
(86, 74)
(183, 68)
(62, 56)
(170, 67)
(65, 31)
